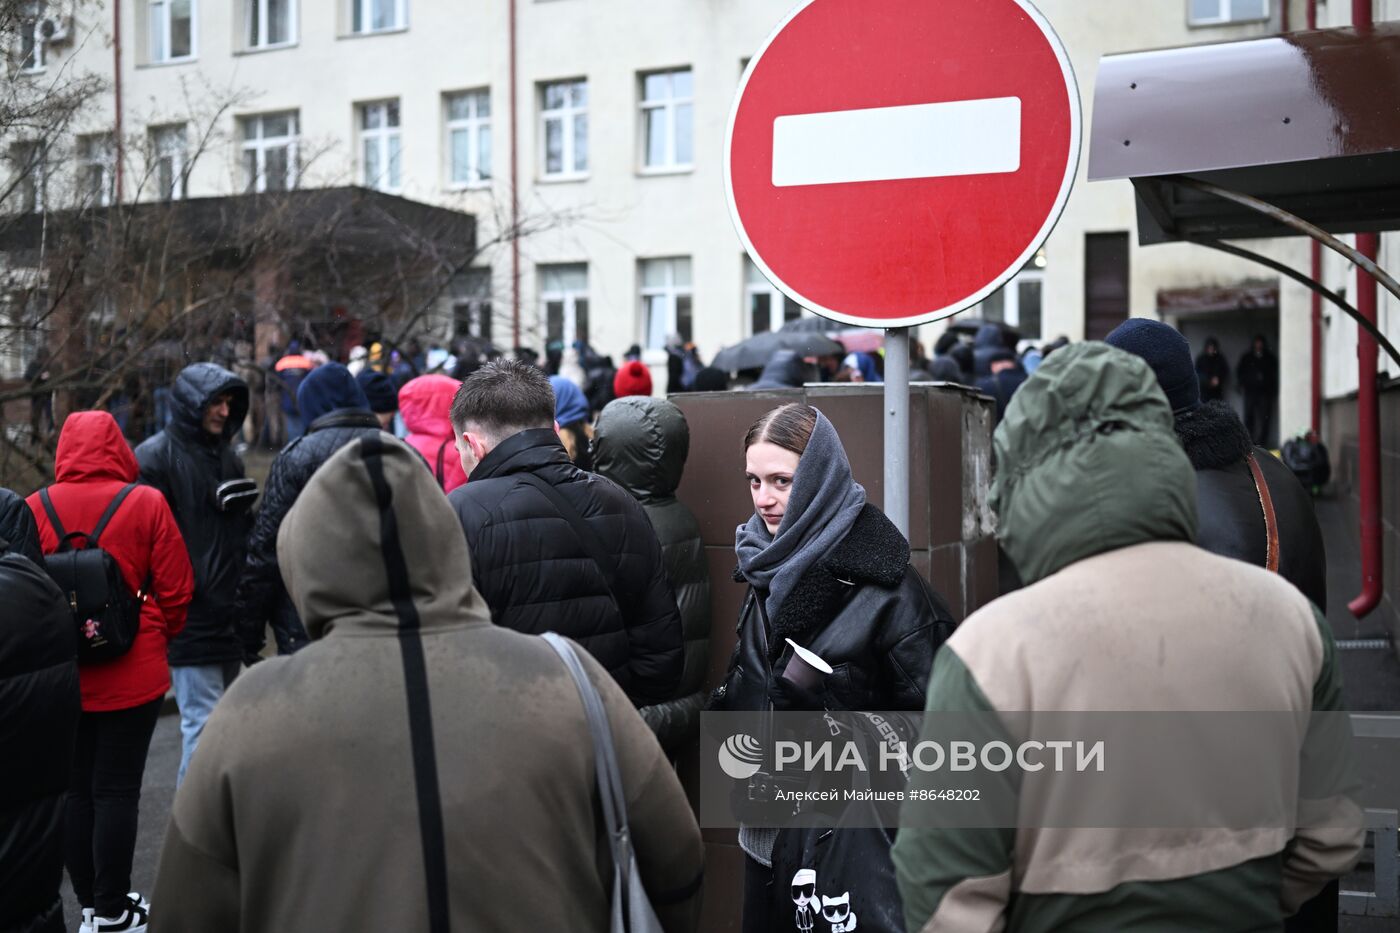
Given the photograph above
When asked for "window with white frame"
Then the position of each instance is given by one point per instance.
(33, 47)
(269, 23)
(666, 300)
(29, 173)
(1018, 302)
(171, 153)
(1213, 12)
(378, 15)
(469, 138)
(380, 146)
(471, 305)
(270, 152)
(668, 105)
(564, 302)
(564, 127)
(97, 163)
(172, 30)
(769, 309)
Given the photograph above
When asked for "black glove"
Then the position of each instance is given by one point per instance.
(787, 696)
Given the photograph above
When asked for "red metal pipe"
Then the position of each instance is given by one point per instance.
(514, 195)
(1312, 14)
(1283, 16)
(117, 142)
(1368, 425)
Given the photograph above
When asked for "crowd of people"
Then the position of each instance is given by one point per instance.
(415, 758)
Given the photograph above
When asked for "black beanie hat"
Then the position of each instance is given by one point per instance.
(379, 389)
(1169, 355)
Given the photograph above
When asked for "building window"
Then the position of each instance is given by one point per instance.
(471, 305)
(33, 48)
(564, 302)
(666, 300)
(171, 158)
(380, 142)
(769, 308)
(668, 105)
(378, 15)
(27, 165)
(1017, 303)
(469, 138)
(172, 29)
(270, 23)
(97, 162)
(1214, 12)
(270, 152)
(564, 115)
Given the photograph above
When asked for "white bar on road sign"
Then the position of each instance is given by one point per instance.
(965, 137)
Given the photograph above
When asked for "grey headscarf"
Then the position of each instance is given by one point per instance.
(823, 505)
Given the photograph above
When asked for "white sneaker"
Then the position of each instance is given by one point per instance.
(88, 925)
(131, 920)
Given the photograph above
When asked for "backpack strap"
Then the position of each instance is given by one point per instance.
(107, 515)
(1266, 503)
(441, 476)
(591, 545)
(59, 531)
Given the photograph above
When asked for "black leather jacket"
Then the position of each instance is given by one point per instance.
(864, 610)
(262, 599)
(1231, 518)
(187, 465)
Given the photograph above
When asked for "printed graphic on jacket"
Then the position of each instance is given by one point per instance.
(834, 910)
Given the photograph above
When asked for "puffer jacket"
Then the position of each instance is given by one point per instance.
(864, 610)
(91, 465)
(458, 746)
(425, 404)
(187, 465)
(39, 706)
(341, 415)
(642, 444)
(537, 576)
(1122, 613)
(1232, 520)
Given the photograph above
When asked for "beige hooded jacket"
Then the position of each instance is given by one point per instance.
(415, 767)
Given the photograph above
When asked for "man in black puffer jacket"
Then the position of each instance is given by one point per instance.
(554, 548)
(38, 726)
(188, 462)
(336, 413)
(641, 444)
(1220, 449)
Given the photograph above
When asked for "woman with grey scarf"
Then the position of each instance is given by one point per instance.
(829, 572)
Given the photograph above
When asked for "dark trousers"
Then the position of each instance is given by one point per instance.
(758, 896)
(1258, 410)
(100, 810)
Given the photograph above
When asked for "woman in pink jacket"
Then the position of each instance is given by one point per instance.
(424, 405)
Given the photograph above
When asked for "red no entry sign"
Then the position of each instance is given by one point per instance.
(892, 162)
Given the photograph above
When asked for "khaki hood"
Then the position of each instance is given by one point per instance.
(371, 543)
(1087, 461)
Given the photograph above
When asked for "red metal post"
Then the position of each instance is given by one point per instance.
(1316, 340)
(514, 193)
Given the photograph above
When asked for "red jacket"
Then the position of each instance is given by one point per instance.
(426, 405)
(93, 463)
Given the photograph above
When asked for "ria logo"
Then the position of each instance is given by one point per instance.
(740, 756)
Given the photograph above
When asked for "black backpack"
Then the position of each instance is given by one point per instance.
(105, 612)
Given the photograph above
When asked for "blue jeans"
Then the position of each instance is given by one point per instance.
(198, 688)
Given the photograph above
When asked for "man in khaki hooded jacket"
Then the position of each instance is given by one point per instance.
(415, 767)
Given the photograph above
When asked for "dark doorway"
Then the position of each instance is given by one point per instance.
(1235, 330)
(1105, 283)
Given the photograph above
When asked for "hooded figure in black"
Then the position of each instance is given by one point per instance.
(1212, 371)
(641, 444)
(784, 370)
(38, 724)
(188, 464)
(337, 413)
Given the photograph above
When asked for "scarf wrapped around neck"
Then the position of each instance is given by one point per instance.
(823, 505)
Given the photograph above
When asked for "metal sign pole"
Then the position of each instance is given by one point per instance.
(897, 427)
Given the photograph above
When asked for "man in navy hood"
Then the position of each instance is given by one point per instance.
(193, 463)
(337, 413)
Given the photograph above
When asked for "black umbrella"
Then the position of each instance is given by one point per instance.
(810, 325)
(756, 351)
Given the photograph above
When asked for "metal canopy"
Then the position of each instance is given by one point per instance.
(1309, 122)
